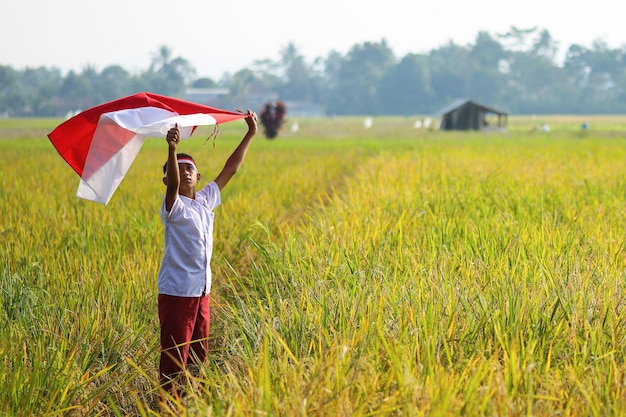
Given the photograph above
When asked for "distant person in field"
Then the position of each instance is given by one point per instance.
(185, 273)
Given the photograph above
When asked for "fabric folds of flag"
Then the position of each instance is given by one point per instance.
(101, 143)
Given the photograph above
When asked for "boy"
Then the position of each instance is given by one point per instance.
(185, 273)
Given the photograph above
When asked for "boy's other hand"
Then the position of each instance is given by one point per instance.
(173, 137)
(251, 121)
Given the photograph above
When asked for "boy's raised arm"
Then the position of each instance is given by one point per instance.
(172, 175)
(236, 158)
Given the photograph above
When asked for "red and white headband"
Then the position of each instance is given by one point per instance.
(185, 160)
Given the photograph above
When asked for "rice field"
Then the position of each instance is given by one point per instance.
(357, 272)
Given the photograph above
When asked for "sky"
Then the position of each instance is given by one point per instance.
(226, 36)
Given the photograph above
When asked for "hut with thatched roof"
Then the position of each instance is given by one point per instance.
(467, 114)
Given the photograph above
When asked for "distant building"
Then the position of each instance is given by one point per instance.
(206, 96)
(466, 114)
(221, 97)
(305, 109)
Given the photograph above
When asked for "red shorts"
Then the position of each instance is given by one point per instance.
(184, 334)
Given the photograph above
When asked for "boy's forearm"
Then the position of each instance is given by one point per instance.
(173, 176)
(236, 158)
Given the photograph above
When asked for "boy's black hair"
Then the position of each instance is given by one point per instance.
(179, 156)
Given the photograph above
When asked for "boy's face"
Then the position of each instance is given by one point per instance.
(188, 176)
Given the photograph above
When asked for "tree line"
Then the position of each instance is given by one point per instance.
(519, 71)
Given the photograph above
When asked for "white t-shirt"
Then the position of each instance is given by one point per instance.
(186, 266)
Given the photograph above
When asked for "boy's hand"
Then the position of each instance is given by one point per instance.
(173, 137)
(251, 121)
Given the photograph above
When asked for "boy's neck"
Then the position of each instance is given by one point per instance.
(188, 193)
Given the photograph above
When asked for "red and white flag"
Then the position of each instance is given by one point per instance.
(101, 143)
